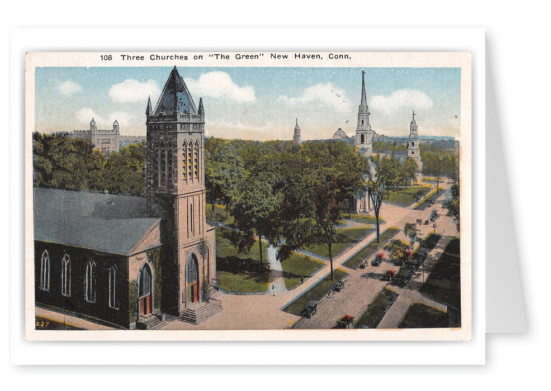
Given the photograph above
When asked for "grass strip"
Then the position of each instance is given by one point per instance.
(375, 312)
(316, 292)
(369, 250)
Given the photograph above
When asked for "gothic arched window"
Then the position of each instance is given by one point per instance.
(412, 143)
(169, 166)
(184, 160)
(45, 271)
(90, 282)
(162, 168)
(189, 159)
(113, 299)
(362, 138)
(196, 161)
(66, 276)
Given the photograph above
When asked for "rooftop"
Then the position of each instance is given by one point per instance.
(102, 222)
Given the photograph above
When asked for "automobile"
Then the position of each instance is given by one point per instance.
(310, 309)
(403, 277)
(377, 260)
(345, 322)
(389, 275)
(339, 286)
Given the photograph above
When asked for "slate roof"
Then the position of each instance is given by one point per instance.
(102, 222)
(175, 96)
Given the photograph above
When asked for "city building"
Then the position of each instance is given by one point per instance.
(296, 136)
(106, 141)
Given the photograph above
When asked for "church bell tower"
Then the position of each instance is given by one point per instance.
(364, 136)
(413, 145)
(175, 191)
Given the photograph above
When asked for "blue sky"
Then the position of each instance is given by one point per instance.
(255, 103)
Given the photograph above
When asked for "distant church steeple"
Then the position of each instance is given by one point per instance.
(296, 136)
(364, 134)
(413, 145)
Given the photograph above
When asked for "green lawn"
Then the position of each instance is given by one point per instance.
(219, 214)
(369, 250)
(376, 310)
(444, 283)
(345, 238)
(297, 266)
(316, 292)
(422, 316)
(425, 203)
(362, 218)
(405, 196)
(238, 272)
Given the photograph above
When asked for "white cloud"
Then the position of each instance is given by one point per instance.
(86, 114)
(68, 87)
(132, 90)
(400, 100)
(325, 94)
(220, 85)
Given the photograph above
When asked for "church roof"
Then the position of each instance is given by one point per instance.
(103, 222)
(340, 135)
(175, 96)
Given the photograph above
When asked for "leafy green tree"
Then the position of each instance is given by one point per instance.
(453, 205)
(63, 162)
(224, 171)
(411, 232)
(123, 172)
(256, 214)
(398, 250)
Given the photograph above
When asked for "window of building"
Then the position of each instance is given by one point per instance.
(66, 276)
(189, 157)
(90, 282)
(162, 168)
(412, 143)
(362, 138)
(45, 271)
(191, 217)
(196, 161)
(169, 165)
(113, 299)
(184, 160)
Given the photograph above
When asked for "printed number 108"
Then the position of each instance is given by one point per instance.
(106, 57)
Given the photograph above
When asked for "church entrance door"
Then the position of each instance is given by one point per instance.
(192, 276)
(145, 290)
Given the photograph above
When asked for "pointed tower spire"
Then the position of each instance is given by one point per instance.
(175, 96)
(201, 109)
(364, 100)
(148, 110)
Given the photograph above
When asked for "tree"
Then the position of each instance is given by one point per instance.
(224, 171)
(433, 216)
(123, 171)
(255, 212)
(398, 250)
(62, 162)
(335, 183)
(453, 205)
(411, 232)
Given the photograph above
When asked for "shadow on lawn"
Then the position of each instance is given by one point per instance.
(255, 270)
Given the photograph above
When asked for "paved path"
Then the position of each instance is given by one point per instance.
(276, 275)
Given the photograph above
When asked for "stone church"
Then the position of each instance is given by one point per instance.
(129, 262)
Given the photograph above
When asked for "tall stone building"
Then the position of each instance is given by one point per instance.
(296, 136)
(413, 146)
(175, 191)
(128, 261)
(106, 141)
(364, 134)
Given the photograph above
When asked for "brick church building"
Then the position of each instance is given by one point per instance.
(130, 262)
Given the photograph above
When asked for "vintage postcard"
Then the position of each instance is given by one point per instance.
(279, 196)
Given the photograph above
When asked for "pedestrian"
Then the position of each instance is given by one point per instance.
(301, 279)
(273, 288)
